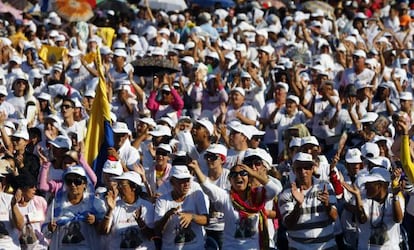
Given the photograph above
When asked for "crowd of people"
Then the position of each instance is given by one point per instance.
(271, 128)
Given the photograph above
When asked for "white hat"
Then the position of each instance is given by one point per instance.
(360, 53)
(113, 167)
(371, 152)
(57, 67)
(43, 96)
(16, 59)
(161, 130)
(240, 90)
(361, 84)
(207, 124)
(123, 30)
(148, 120)
(369, 117)
(217, 149)
(261, 153)
(309, 140)
(245, 74)
(62, 141)
(130, 176)
(167, 120)
(55, 20)
(254, 131)
(89, 93)
(120, 53)
(407, 96)
(180, 172)
(22, 132)
(353, 155)
(293, 98)
(341, 47)
(188, 59)
(58, 89)
(305, 76)
(262, 32)
(360, 15)
(118, 44)
(120, 128)
(165, 147)
(212, 54)
(3, 90)
(158, 51)
(282, 85)
(164, 31)
(74, 52)
(105, 50)
(295, 142)
(315, 23)
(404, 61)
(377, 174)
(79, 170)
(351, 39)
(241, 128)
(304, 157)
(267, 49)
(317, 13)
(241, 47)
(60, 38)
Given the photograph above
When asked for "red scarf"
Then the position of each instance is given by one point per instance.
(256, 197)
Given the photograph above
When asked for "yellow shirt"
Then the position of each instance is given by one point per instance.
(406, 161)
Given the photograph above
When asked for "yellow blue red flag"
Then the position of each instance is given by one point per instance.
(99, 135)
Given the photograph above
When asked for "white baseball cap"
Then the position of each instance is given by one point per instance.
(207, 124)
(353, 155)
(79, 170)
(240, 90)
(61, 141)
(407, 96)
(161, 130)
(180, 172)
(130, 176)
(377, 174)
(120, 128)
(303, 157)
(261, 153)
(241, 128)
(217, 149)
(113, 167)
(309, 140)
(369, 117)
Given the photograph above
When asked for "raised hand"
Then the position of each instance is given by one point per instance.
(110, 200)
(352, 189)
(297, 193)
(324, 196)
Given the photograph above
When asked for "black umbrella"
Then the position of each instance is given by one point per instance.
(119, 7)
(151, 66)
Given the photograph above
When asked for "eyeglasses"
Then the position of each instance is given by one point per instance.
(161, 152)
(356, 57)
(66, 106)
(253, 162)
(210, 157)
(76, 181)
(234, 174)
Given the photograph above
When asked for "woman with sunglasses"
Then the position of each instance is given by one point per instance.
(160, 171)
(74, 212)
(163, 100)
(245, 226)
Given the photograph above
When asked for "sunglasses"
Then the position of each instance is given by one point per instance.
(210, 157)
(234, 174)
(76, 181)
(66, 106)
(161, 152)
(165, 92)
(304, 167)
(356, 57)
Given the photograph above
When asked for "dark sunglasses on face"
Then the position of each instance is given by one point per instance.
(234, 174)
(210, 157)
(76, 181)
(66, 106)
(304, 167)
(355, 57)
(161, 152)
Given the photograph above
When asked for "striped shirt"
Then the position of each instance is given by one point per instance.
(314, 229)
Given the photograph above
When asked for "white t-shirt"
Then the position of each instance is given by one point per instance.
(377, 213)
(174, 236)
(128, 154)
(9, 234)
(75, 233)
(246, 110)
(233, 157)
(349, 76)
(125, 232)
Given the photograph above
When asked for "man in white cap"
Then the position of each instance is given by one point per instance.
(380, 214)
(180, 213)
(358, 71)
(238, 140)
(308, 218)
(406, 103)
